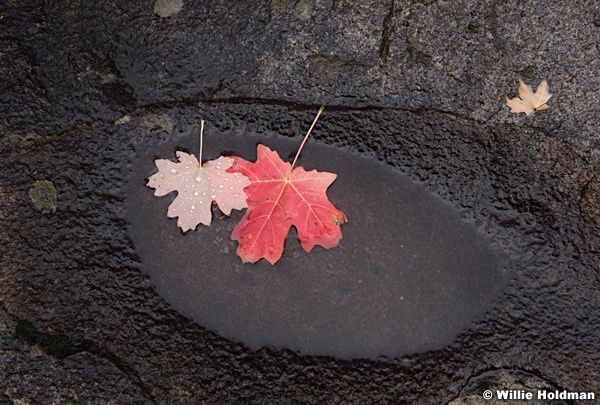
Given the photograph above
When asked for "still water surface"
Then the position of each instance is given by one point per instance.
(409, 275)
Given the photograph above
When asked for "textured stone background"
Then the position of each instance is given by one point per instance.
(79, 323)
(460, 57)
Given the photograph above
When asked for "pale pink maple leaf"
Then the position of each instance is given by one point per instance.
(197, 187)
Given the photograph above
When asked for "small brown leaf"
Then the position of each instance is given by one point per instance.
(528, 101)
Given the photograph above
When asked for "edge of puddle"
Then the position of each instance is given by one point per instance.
(214, 146)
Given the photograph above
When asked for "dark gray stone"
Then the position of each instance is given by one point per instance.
(417, 84)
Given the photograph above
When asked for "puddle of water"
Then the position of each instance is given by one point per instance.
(409, 274)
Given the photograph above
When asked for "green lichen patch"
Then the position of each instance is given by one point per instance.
(303, 10)
(157, 122)
(277, 7)
(43, 195)
(167, 8)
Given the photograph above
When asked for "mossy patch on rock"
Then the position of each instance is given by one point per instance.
(277, 7)
(303, 10)
(157, 122)
(167, 8)
(43, 195)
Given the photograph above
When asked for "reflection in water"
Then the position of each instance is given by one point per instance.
(408, 276)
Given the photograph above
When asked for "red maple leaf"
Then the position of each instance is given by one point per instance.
(280, 196)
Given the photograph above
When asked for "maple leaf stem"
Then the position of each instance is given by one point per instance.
(201, 139)
(307, 134)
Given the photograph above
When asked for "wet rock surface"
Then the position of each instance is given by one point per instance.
(80, 322)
